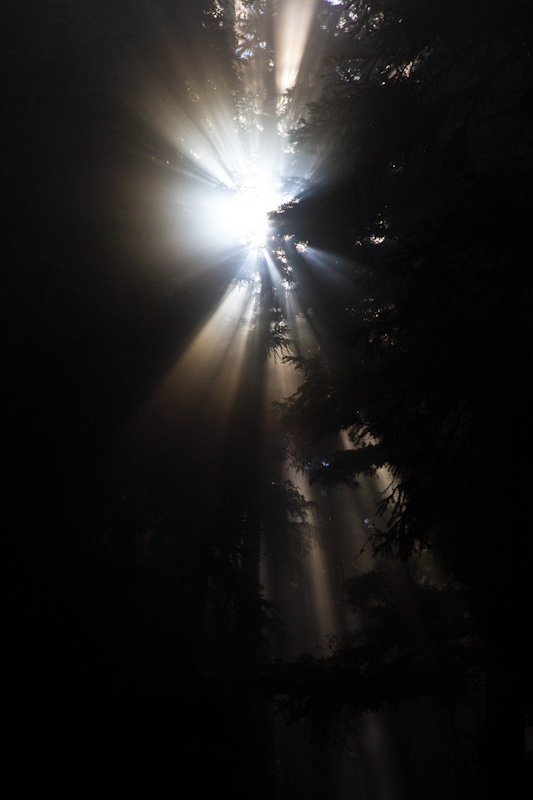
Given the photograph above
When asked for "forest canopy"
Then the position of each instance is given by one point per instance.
(425, 122)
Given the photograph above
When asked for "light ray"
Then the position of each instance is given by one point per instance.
(222, 183)
(224, 176)
(203, 381)
(291, 31)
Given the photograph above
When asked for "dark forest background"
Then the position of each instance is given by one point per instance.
(136, 628)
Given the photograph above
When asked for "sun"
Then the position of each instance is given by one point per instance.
(242, 213)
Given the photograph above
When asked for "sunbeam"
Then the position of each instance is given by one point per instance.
(227, 173)
(203, 381)
(226, 180)
(291, 32)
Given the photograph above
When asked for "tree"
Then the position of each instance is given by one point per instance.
(426, 114)
(412, 639)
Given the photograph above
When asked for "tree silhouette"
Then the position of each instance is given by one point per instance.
(426, 117)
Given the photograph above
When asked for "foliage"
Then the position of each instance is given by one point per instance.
(423, 137)
(417, 642)
(427, 118)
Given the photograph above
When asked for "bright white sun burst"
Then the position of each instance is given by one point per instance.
(242, 211)
(234, 163)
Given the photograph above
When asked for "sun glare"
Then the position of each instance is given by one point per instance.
(241, 214)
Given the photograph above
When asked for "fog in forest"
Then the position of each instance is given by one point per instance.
(267, 316)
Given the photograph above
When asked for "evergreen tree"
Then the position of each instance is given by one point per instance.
(426, 114)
